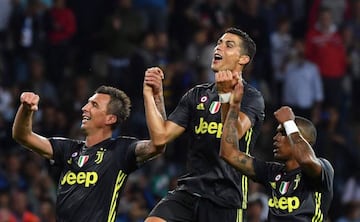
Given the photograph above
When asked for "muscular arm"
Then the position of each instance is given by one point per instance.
(301, 150)
(23, 134)
(305, 156)
(229, 146)
(160, 130)
(243, 123)
(145, 151)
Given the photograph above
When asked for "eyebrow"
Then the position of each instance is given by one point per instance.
(228, 41)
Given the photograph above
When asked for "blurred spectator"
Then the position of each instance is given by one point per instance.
(257, 209)
(47, 210)
(210, 14)
(60, 28)
(325, 47)
(352, 213)
(351, 35)
(27, 31)
(246, 16)
(11, 176)
(7, 109)
(20, 208)
(198, 54)
(154, 13)
(303, 88)
(340, 10)
(121, 35)
(280, 43)
(39, 82)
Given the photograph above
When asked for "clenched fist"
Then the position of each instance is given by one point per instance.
(30, 100)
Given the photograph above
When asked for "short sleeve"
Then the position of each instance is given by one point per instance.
(181, 113)
(327, 175)
(62, 148)
(253, 105)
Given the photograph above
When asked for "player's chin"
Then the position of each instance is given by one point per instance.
(214, 67)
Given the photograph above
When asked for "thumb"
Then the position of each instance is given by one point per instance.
(34, 108)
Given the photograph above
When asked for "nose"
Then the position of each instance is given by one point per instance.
(276, 136)
(84, 107)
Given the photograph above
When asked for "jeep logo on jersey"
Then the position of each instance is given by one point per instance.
(86, 178)
(210, 128)
(285, 203)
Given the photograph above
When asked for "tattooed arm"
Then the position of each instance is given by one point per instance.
(225, 82)
(229, 146)
(145, 151)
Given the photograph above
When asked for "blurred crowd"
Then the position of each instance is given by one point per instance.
(308, 57)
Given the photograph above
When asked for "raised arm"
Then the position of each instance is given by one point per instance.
(160, 130)
(22, 127)
(299, 135)
(225, 82)
(229, 146)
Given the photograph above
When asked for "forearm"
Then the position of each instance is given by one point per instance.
(155, 118)
(225, 107)
(22, 126)
(304, 155)
(229, 149)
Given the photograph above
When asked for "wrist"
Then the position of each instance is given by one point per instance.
(290, 127)
(224, 97)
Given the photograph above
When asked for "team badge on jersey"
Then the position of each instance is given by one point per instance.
(99, 156)
(284, 187)
(214, 107)
(82, 160)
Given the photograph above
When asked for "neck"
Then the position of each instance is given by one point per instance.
(94, 139)
(291, 165)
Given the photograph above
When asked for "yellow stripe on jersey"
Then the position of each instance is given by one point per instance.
(119, 182)
(318, 216)
(244, 179)
(239, 215)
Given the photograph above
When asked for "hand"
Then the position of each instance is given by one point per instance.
(153, 80)
(284, 114)
(30, 100)
(237, 93)
(226, 80)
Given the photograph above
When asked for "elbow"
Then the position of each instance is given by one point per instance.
(225, 155)
(160, 149)
(16, 136)
(159, 140)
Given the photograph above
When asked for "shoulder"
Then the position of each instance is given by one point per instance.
(125, 139)
(203, 86)
(326, 165)
(251, 90)
(63, 140)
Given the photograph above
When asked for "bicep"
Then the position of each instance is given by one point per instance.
(173, 130)
(39, 144)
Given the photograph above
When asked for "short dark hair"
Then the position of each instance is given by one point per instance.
(307, 129)
(119, 104)
(248, 44)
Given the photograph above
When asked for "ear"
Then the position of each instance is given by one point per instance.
(111, 119)
(244, 59)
